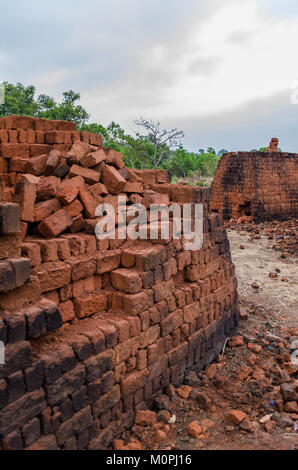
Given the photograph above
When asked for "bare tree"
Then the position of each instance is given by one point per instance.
(162, 140)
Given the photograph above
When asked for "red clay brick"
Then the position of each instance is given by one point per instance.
(25, 195)
(78, 151)
(78, 224)
(55, 224)
(109, 261)
(82, 267)
(13, 136)
(74, 209)
(53, 275)
(52, 162)
(39, 149)
(114, 158)
(93, 158)
(137, 303)
(126, 281)
(18, 164)
(99, 189)
(47, 187)
(36, 166)
(4, 136)
(134, 188)
(88, 201)
(44, 209)
(90, 303)
(31, 136)
(112, 179)
(67, 194)
(32, 251)
(133, 382)
(67, 311)
(90, 176)
(15, 150)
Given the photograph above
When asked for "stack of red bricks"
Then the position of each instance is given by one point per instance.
(137, 315)
(257, 184)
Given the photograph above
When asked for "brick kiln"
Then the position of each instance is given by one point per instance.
(257, 184)
(94, 330)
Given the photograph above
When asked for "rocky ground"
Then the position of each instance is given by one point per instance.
(248, 398)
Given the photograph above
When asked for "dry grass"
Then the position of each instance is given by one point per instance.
(254, 263)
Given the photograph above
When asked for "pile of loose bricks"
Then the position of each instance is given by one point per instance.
(263, 185)
(96, 329)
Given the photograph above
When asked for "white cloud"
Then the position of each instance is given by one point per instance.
(246, 70)
(235, 54)
(179, 62)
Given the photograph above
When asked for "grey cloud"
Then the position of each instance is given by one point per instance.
(103, 48)
(204, 66)
(247, 127)
(240, 37)
(98, 44)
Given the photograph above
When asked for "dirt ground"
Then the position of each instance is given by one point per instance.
(248, 398)
(254, 262)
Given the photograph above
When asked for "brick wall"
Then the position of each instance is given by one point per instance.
(95, 330)
(261, 184)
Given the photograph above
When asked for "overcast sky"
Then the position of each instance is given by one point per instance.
(221, 70)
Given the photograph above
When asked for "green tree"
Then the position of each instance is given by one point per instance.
(154, 147)
(138, 152)
(185, 164)
(208, 163)
(161, 140)
(67, 110)
(20, 100)
(182, 163)
(113, 135)
(95, 129)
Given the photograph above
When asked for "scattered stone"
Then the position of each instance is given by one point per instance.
(173, 419)
(273, 275)
(184, 391)
(288, 392)
(145, 418)
(291, 407)
(192, 379)
(236, 416)
(162, 403)
(163, 416)
(160, 436)
(211, 371)
(201, 399)
(255, 348)
(247, 426)
(236, 342)
(282, 419)
(243, 315)
(265, 419)
(195, 430)
(269, 426)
